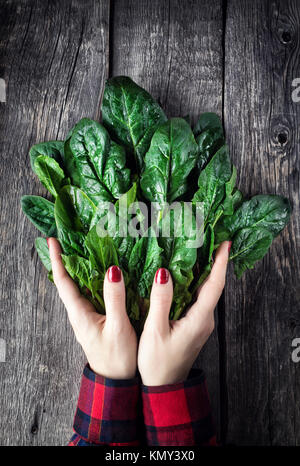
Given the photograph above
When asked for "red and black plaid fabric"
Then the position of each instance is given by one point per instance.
(179, 414)
(108, 412)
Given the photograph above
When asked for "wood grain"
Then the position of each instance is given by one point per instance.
(176, 54)
(262, 310)
(53, 57)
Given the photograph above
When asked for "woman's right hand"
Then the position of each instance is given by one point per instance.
(168, 349)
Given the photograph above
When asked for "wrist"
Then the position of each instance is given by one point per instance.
(167, 379)
(112, 374)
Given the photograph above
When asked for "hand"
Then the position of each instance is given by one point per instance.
(168, 349)
(109, 341)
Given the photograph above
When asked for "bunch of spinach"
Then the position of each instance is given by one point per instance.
(137, 154)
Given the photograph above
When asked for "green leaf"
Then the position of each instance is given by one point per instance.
(181, 299)
(230, 196)
(178, 256)
(145, 259)
(170, 159)
(96, 164)
(40, 212)
(43, 252)
(249, 245)
(124, 247)
(209, 142)
(131, 115)
(221, 233)
(209, 121)
(102, 250)
(205, 260)
(264, 211)
(82, 272)
(212, 183)
(132, 304)
(53, 149)
(49, 173)
(73, 214)
(207, 249)
(75, 208)
(209, 137)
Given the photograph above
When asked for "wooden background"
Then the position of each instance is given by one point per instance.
(235, 57)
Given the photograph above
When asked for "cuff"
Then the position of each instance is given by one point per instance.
(107, 410)
(179, 414)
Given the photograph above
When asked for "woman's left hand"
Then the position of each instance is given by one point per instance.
(109, 341)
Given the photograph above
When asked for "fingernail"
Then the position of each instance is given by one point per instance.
(114, 274)
(48, 241)
(162, 276)
(229, 246)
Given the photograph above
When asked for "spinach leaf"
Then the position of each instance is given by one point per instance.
(264, 211)
(102, 251)
(249, 245)
(209, 143)
(53, 149)
(131, 115)
(212, 184)
(125, 244)
(209, 137)
(205, 260)
(178, 255)
(132, 304)
(82, 272)
(221, 232)
(49, 173)
(96, 164)
(209, 121)
(73, 214)
(181, 298)
(145, 259)
(77, 206)
(172, 163)
(40, 212)
(170, 159)
(43, 252)
(206, 251)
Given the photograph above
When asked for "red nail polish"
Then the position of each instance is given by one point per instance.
(229, 246)
(48, 241)
(114, 274)
(162, 276)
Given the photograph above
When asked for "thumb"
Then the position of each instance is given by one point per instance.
(161, 300)
(211, 290)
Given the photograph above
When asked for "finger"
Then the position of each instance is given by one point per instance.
(212, 288)
(67, 289)
(160, 300)
(114, 294)
(216, 279)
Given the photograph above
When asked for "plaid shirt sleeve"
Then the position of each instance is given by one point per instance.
(107, 411)
(179, 414)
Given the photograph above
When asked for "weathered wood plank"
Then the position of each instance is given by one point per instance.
(262, 310)
(175, 52)
(53, 56)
